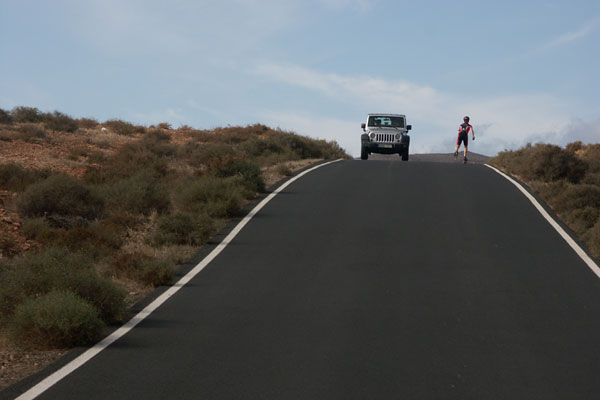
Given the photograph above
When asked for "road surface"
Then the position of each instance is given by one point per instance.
(372, 280)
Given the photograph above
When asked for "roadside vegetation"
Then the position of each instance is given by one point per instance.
(567, 179)
(146, 200)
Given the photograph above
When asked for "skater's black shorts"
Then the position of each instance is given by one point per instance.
(464, 138)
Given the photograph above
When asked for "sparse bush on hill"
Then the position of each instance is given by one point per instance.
(156, 135)
(5, 117)
(61, 195)
(209, 156)
(15, 178)
(165, 125)
(249, 172)
(123, 128)
(26, 114)
(57, 319)
(141, 193)
(567, 179)
(60, 122)
(127, 161)
(87, 123)
(31, 133)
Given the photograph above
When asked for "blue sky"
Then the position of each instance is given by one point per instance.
(525, 71)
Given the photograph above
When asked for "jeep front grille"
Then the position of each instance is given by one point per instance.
(385, 137)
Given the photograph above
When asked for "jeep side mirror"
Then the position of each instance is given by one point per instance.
(408, 127)
(363, 126)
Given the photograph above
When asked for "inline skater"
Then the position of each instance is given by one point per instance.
(463, 137)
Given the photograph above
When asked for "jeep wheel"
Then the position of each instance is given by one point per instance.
(404, 154)
(364, 154)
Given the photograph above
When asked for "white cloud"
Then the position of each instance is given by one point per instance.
(572, 36)
(500, 122)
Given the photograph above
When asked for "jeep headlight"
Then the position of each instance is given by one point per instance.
(397, 136)
(372, 135)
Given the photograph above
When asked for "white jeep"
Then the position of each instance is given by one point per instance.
(385, 134)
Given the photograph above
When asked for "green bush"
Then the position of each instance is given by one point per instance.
(127, 161)
(141, 193)
(57, 269)
(155, 272)
(219, 197)
(15, 178)
(249, 172)
(61, 195)
(61, 122)
(57, 319)
(95, 239)
(183, 228)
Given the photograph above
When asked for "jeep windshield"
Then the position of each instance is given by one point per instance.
(386, 121)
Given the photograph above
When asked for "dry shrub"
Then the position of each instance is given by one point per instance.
(183, 229)
(5, 117)
(57, 269)
(284, 169)
(141, 193)
(60, 122)
(31, 133)
(75, 153)
(15, 178)
(542, 162)
(61, 195)
(218, 197)
(123, 128)
(126, 162)
(249, 174)
(87, 123)
(57, 319)
(26, 114)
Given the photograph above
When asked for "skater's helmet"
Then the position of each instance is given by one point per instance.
(466, 119)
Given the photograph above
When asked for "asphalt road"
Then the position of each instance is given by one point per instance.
(372, 280)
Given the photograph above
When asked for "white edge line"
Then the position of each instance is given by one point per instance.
(580, 252)
(55, 377)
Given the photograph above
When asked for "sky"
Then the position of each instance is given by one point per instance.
(524, 71)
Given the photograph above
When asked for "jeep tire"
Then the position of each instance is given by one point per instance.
(364, 153)
(404, 154)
